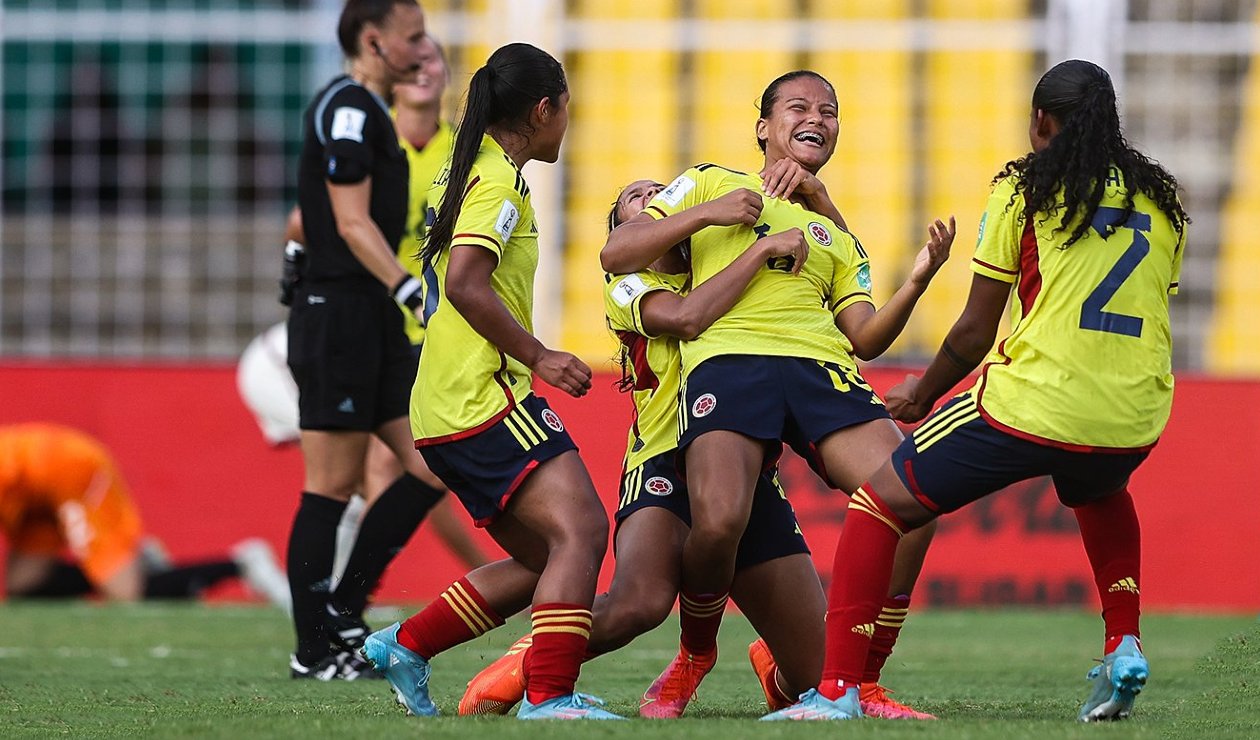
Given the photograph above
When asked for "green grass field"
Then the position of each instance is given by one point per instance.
(85, 670)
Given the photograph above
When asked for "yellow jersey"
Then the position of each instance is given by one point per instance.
(465, 384)
(1088, 363)
(425, 164)
(654, 363)
(778, 314)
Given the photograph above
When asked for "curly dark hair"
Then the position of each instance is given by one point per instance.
(1081, 98)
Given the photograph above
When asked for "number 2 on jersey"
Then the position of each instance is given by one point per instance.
(782, 264)
(1093, 317)
(429, 275)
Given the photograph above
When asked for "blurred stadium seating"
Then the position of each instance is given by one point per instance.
(149, 145)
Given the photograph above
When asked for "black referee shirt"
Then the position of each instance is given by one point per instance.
(348, 135)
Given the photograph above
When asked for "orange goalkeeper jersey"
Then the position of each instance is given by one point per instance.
(60, 490)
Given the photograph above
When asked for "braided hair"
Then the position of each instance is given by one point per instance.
(1081, 98)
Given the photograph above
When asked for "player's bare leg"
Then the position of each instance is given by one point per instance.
(784, 601)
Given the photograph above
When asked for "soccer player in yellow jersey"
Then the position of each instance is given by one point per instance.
(780, 365)
(475, 418)
(1088, 235)
(650, 311)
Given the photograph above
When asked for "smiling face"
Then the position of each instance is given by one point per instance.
(426, 88)
(803, 124)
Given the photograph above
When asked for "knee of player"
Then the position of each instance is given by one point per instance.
(724, 527)
(591, 529)
(587, 537)
(648, 611)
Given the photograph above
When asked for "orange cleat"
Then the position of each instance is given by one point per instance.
(764, 666)
(669, 694)
(500, 685)
(876, 703)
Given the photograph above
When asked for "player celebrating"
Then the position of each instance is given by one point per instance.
(347, 348)
(499, 447)
(1088, 234)
(650, 311)
(778, 365)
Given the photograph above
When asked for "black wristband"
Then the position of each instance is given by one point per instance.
(407, 292)
(959, 361)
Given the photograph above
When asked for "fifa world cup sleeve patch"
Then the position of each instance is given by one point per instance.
(677, 190)
(505, 224)
(864, 276)
(348, 123)
(627, 289)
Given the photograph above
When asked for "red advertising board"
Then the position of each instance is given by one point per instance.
(204, 478)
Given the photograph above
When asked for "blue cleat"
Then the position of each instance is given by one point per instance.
(569, 706)
(1116, 683)
(813, 705)
(407, 672)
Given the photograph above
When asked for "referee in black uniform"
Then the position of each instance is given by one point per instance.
(347, 348)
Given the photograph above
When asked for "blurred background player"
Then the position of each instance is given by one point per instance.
(347, 348)
(73, 530)
(1085, 236)
(780, 365)
(502, 450)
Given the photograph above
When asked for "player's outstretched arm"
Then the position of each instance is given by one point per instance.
(686, 317)
(469, 291)
(642, 240)
(872, 332)
(968, 341)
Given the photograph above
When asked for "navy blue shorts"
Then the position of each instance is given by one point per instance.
(796, 400)
(484, 470)
(772, 530)
(956, 457)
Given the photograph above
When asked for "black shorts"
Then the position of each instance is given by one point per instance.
(772, 530)
(485, 469)
(796, 400)
(350, 357)
(956, 457)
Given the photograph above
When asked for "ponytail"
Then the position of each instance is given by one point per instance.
(501, 93)
(467, 142)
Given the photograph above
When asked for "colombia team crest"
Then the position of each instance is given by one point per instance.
(820, 233)
(658, 486)
(704, 405)
(552, 419)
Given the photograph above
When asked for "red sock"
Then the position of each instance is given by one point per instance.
(1113, 542)
(561, 632)
(860, 575)
(887, 629)
(699, 616)
(458, 615)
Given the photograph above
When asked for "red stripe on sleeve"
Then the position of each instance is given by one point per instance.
(995, 268)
